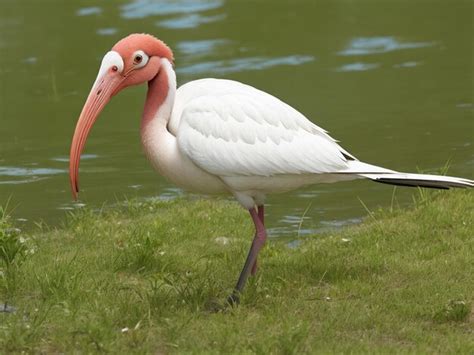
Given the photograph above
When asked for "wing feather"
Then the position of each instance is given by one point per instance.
(231, 129)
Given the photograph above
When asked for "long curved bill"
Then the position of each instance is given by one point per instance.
(102, 91)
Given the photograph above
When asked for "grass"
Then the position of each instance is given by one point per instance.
(145, 278)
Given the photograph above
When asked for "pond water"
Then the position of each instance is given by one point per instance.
(391, 80)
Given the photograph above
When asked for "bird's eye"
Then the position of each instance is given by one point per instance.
(139, 59)
(114, 68)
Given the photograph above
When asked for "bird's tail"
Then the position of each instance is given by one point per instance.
(421, 180)
(391, 177)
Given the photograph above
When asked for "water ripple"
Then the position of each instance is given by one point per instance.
(243, 64)
(109, 31)
(169, 193)
(23, 181)
(30, 60)
(341, 223)
(407, 65)
(376, 45)
(189, 21)
(87, 11)
(17, 171)
(294, 220)
(145, 8)
(71, 206)
(83, 157)
(467, 105)
(199, 48)
(359, 66)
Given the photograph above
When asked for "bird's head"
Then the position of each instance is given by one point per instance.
(133, 60)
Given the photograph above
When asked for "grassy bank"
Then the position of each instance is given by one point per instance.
(147, 277)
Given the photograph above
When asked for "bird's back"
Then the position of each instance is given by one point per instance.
(208, 87)
(231, 129)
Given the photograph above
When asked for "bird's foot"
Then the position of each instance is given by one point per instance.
(215, 305)
(233, 299)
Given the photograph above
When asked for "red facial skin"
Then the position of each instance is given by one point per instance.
(109, 85)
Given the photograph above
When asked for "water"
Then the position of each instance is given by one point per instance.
(393, 81)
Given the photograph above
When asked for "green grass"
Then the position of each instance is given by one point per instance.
(145, 278)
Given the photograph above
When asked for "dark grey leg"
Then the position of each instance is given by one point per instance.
(257, 244)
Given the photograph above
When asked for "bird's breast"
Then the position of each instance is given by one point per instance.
(161, 149)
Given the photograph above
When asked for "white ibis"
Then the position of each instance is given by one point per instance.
(216, 136)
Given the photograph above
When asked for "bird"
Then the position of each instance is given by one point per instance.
(218, 136)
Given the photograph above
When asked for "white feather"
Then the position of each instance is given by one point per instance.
(231, 129)
(225, 136)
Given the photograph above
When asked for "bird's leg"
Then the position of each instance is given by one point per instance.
(261, 215)
(257, 244)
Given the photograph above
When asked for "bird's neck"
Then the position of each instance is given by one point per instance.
(160, 97)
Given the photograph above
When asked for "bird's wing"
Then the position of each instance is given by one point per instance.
(245, 131)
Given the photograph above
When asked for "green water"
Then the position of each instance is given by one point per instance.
(392, 80)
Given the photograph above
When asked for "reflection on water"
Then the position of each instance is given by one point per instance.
(65, 158)
(376, 45)
(17, 171)
(136, 187)
(337, 224)
(13, 175)
(30, 60)
(243, 64)
(21, 181)
(87, 11)
(200, 48)
(144, 8)
(359, 66)
(192, 13)
(167, 194)
(362, 46)
(110, 31)
(294, 225)
(71, 206)
(189, 21)
(407, 65)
